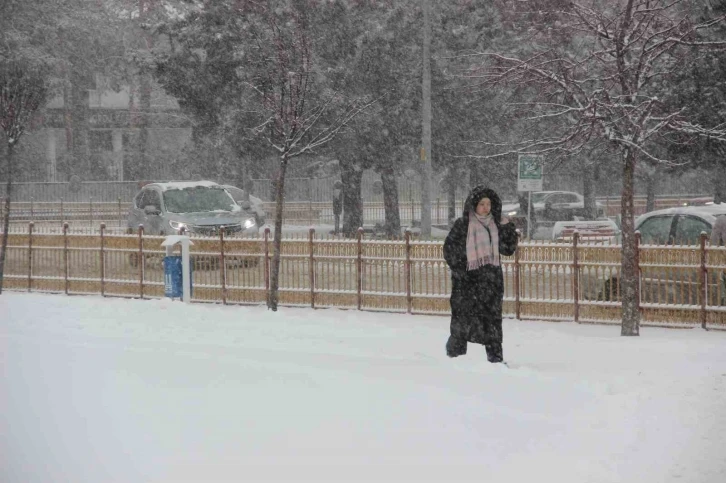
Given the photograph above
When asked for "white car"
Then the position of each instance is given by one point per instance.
(589, 230)
(680, 225)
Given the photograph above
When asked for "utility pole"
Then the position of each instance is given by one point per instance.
(426, 124)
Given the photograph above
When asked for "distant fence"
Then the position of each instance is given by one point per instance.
(679, 285)
(82, 192)
(314, 190)
(114, 213)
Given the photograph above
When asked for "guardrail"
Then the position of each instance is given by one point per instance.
(679, 285)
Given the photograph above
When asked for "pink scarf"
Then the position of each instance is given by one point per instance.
(482, 242)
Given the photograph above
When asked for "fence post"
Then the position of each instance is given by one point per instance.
(32, 209)
(102, 265)
(30, 255)
(90, 212)
(63, 218)
(141, 261)
(359, 267)
(267, 263)
(65, 257)
(576, 274)
(407, 271)
(703, 281)
(517, 289)
(222, 267)
(312, 269)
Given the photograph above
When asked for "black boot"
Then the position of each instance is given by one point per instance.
(455, 347)
(494, 352)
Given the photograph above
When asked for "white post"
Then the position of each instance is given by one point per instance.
(186, 275)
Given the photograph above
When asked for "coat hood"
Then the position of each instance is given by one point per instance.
(476, 195)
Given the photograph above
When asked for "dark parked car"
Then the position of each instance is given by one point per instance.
(200, 207)
(552, 206)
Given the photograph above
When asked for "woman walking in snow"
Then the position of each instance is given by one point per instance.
(472, 251)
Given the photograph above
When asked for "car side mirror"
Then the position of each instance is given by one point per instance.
(245, 205)
(151, 210)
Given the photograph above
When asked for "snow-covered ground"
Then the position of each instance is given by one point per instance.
(112, 390)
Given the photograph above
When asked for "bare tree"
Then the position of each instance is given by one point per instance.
(603, 84)
(23, 90)
(248, 66)
(297, 118)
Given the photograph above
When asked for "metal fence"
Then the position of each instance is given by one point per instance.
(577, 280)
(114, 213)
(315, 190)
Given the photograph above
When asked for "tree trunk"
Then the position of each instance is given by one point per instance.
(6, 214)
(390, 202)
(273, 296)
(451, 191)
(475, 178)
(588, 192)
(426, 124)
(145, 104)
(81, 163)
(629, 288)
(68, 125)
(650, 192)
(352, 177)
(719, 185)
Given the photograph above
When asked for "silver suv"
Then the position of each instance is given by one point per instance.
(201, 207)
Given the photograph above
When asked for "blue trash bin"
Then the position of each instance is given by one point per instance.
(173, 286)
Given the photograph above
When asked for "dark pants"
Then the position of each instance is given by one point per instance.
(457, 343)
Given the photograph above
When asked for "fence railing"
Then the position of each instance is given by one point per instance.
(577, 280)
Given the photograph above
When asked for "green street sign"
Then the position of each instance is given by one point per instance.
(529, 173)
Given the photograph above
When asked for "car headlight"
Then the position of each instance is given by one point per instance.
(178, 225)
(249, 223)
(512, 213)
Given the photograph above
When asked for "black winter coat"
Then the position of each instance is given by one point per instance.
(476, 295)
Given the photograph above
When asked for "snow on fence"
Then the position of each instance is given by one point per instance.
(573, 280)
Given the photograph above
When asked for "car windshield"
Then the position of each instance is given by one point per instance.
(537, 197)
(237, 194)
(197, 199)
